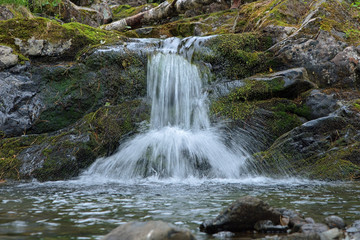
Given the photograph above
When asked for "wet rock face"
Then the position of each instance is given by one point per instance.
(155, 230)
(241, 215)
(19, 105)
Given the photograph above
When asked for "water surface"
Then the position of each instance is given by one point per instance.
(89, 210)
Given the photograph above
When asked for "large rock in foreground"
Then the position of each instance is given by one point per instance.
(154, 230)
(241, 215)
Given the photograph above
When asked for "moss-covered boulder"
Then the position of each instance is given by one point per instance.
(41, 37)
(70, 91)
(63, 154)
(325, 148)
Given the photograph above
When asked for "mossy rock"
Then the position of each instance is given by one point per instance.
(124, 11)
(326, 148)
(236, 56)
(64, 154)
(81, 37)
(72, 90)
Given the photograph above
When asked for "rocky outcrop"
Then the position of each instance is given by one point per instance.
(63, 154)
(324, 148)
(5, 13)
(156, 230)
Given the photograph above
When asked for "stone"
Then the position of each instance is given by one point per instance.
(7, 58)
(5, 13)
(335, 222)
(19, 104)
(321, 104)
(40, 47)
(332, 234)
(267, 226)
(154, 230)
(104, 9)
(285, 84)
(309, 229)
(241, 216)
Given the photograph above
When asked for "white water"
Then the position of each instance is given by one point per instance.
(180, 142)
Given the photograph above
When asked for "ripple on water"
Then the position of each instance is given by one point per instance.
(88, 211)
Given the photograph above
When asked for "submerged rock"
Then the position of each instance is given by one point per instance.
(241, 215)
(154, 230)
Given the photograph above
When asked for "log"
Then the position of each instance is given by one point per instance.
(164, 10)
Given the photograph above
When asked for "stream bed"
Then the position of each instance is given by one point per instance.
(89, 210)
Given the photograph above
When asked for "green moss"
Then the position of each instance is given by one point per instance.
(357, 105)
(124, 11)
(239, 54)
(81, 36)
(10, 148)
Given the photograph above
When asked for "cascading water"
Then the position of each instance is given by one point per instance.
(180, 142)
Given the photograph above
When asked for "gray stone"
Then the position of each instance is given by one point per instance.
(313, 228)
(7, 58)
(19, 104)
(321, 104)
(295, 81)
(104, 9)
(5, 13)
(39, 47)
(154, 230)
(335, 222)
(331, 234)
(241, 215)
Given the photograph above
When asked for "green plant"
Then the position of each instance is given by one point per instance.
(356, 4)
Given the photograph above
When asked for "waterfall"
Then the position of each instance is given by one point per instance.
(180, 142)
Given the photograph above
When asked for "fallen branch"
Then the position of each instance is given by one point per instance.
(164, 10)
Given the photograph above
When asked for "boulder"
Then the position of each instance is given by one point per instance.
(154, 230)
(241, 215)
(39, 47)
(335, 222)
(7, 57)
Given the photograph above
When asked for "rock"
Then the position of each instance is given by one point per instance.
(20, 105)
(132, 3)
(356, 224)
(40, 47)
(309, 229)
(5, 13)
(329, 62)
(278, 33)
(69, 12)
(314, 149)
(335, 222)
(7, 58)
(286, 84)
(295, 218)
(241, 215)
(332, 234)
(104, 9)
(155, 230)
(321, 104)
(267, 226)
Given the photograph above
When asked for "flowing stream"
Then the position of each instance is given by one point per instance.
(182, 169)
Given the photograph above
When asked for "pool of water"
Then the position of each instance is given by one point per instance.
(89, 210)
